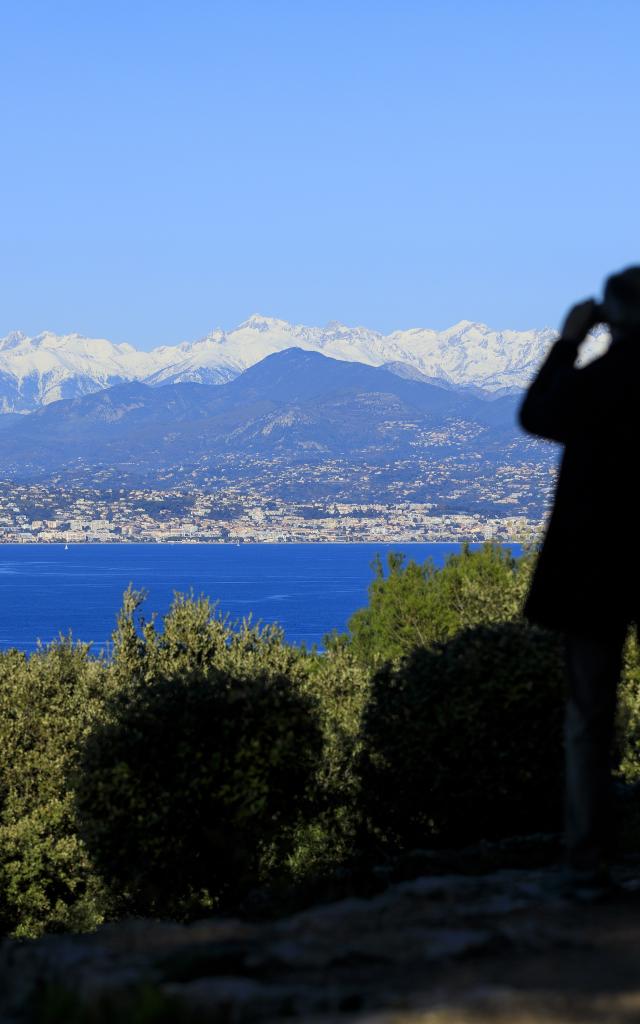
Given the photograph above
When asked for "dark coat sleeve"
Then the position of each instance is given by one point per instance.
(563, 401)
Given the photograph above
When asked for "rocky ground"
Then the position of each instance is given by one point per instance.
(438, 949)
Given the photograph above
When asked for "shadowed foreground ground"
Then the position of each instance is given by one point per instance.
(446, 949)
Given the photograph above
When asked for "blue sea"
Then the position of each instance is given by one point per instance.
(309, 589)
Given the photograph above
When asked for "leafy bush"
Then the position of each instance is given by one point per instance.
(418, 605)
(628, 724)
(196, 637)
(196, 785)
(340, 687)
(464, 741)
(48, 704)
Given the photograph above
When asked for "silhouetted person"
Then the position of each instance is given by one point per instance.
(587, 578)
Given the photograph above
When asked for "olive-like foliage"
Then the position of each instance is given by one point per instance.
(414, 605)
(463, 741)
(195, 785)
(49, 702)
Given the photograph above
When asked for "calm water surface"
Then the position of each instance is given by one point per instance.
(309, 589)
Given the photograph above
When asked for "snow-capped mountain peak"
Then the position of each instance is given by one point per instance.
(257, 322)
(38, 370)
(12, 339)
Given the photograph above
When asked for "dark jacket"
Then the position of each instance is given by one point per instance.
(588, 571)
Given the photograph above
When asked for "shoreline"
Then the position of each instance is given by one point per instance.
(255, 543)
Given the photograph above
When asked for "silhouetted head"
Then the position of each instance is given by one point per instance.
(621, 303)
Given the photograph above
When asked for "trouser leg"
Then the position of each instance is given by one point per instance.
(593, 664)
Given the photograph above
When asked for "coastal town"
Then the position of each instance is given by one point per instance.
(241, 513)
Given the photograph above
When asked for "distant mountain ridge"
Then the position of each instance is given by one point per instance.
(294, 404)
(35, 371)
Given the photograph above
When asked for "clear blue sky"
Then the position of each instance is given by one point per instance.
(173, 165)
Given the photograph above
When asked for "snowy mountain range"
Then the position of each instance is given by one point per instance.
(35, 371)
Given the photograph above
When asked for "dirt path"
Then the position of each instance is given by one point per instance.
(450, 949)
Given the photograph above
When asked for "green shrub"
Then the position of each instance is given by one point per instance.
(628, 724)
(196, 785)
(418, 605)
(48, 703)
(464, 741)
(340, 687)
(196, 637)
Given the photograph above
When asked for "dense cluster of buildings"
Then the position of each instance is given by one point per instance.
(43, 513)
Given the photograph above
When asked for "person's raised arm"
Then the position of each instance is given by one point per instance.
(555, 397)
